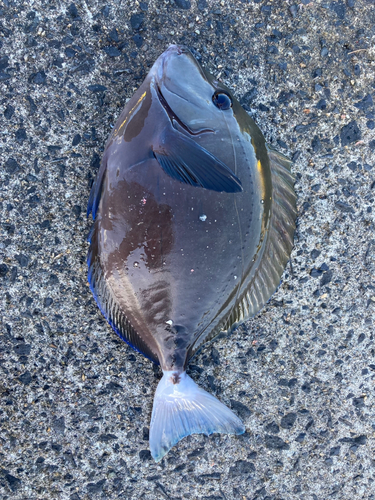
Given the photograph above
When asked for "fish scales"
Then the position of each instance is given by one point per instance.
(194, 216)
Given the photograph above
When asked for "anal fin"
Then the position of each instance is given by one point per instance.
(108, 304)
(96, 190)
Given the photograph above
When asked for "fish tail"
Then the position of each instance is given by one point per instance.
(182, 408)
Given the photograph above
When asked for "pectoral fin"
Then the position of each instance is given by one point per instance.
(186, 161)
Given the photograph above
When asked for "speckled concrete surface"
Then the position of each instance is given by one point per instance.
(75, 400)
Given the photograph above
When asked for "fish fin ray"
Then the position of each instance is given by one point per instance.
(186, 161)
(279, 242)
(96, 189)
(107, 304)
(183, 409)
(279, 245)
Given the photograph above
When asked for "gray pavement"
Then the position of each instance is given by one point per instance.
(75, 400)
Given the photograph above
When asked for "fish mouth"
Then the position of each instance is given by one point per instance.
(184, 92)
(172, 51)
(179, 49)
(175, 49)
(174, 118)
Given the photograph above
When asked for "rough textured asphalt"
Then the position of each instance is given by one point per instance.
(76, 401)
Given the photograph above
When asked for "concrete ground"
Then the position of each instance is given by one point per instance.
(75, 400)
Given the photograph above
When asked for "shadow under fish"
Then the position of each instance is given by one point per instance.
(194, 216)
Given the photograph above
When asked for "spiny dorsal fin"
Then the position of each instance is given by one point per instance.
(277, 249)
(279, 242)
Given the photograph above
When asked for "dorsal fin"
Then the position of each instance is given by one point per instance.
(277, 249)
(279, 242)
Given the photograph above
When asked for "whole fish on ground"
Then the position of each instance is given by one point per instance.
(194, 216)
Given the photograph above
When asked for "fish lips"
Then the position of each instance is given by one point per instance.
(186, 89)
(167, 58)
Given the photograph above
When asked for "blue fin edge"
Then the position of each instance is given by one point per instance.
(110, 322)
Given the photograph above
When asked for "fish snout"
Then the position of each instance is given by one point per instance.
(165, 66)
(175, 50)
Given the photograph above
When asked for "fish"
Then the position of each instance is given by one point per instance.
(193, 223)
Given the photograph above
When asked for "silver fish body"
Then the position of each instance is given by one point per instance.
(193, 225)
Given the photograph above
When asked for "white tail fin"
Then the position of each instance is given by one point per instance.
(182, 408)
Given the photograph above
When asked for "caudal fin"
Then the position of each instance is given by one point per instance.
(182, 408)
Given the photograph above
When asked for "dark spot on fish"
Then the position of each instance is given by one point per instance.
(175, 378)
(180, 342)
(135, 123)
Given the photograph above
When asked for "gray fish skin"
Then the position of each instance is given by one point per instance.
(194, 220)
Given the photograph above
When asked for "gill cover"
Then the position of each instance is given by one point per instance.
(188, 100)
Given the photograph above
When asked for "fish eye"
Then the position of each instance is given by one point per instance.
(222, 99)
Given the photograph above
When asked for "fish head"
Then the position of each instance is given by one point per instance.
(191, 94)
